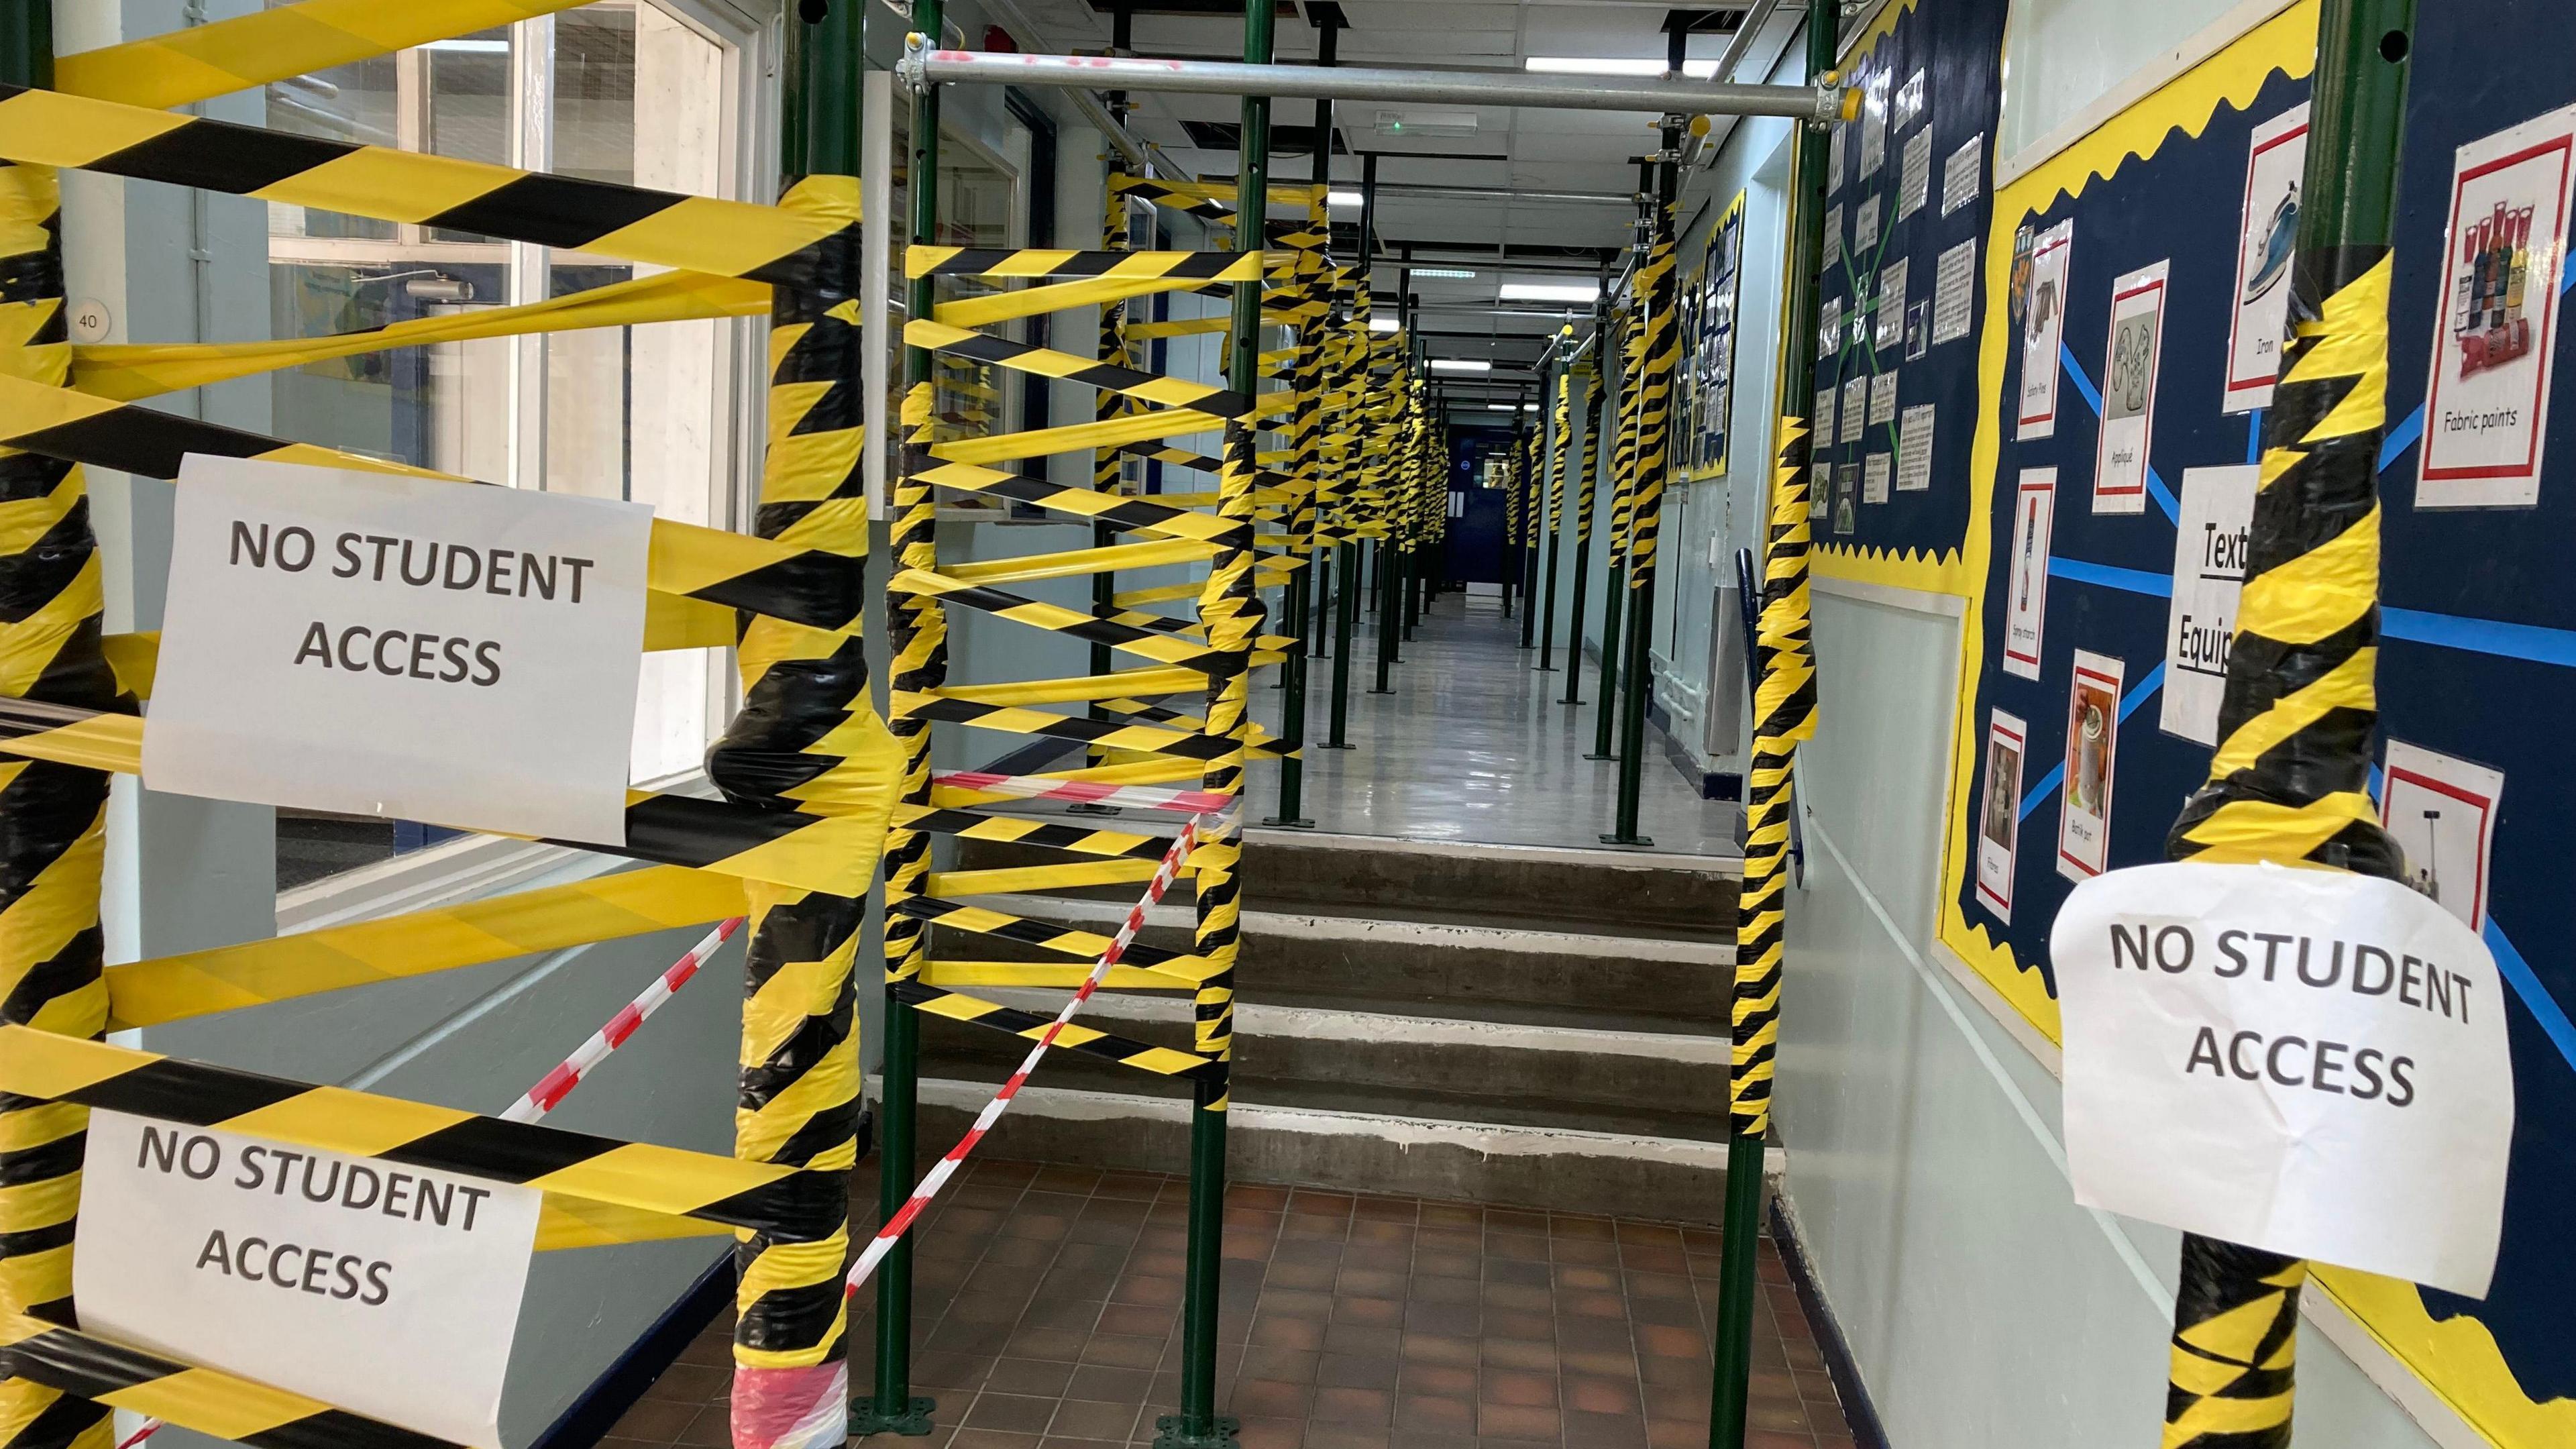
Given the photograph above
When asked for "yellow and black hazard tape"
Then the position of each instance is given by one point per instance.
(1104, 558)
(928, 261)
(1153, 679)
(625, 903)
(204, 61)
(1784, 713)
(666, 1180)
(1157, 644)
(780, 578)
(1021, 830)
(1217, 403)
(80, 1367)
(664, 228)
(1185, 199)
(1107, 733)
(1044, 935)
(1173, 457)
(2235, 1347)
(795, 848)
(957, 1006)
(132, 370)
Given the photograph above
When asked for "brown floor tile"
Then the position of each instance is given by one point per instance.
(1604, 1431)
(1517, 1421)
(1354, 1406)
(1042, 1377)
(1010, 1413)
(1517, 1386)
(992, 1439)
(1272, 1434)
(1373, 1312)
(1433, 1414)
(1272, 1398)
(1276, 1330)
(1324, 1435)
(1094, 1419)
(1453, 1350)
(1355, 1371)
(1113, 1385)
(658, 1420)
(1528, 1355)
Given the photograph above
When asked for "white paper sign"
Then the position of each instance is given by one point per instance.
(1833, 234)
(2442, 811)
(1835, 146)
(1855, 409)
(2210, 539)
(2092, 765)
(2305, 1061)
(2026, 591)
(402, 647)
(1954, 292)
(2043, 325)
(1873, 125)
(1914, 449)
(1865, 229)
(1824, 430)
(1963, 174)
(2135, 351)
(1876, 471)
(2274, 162)
(1820, 489)
(2486, 405)
(1914, 174)
(1999, 821)
(388, 1291)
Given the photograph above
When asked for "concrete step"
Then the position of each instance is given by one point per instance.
(1610, 892)
(1499, 973)
(1559, 1168)
(1536, 1076)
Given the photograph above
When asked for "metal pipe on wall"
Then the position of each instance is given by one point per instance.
(922, 66)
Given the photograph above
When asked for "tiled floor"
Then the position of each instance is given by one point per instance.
(1049, 1307)
(1473, 744)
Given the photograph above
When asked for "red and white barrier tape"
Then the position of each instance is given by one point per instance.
(555, 1085)
(938, 1176)
(1039, 787)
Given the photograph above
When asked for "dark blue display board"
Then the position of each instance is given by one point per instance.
(1930, 75)
(2478, 664)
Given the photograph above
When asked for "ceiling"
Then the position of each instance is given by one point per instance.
(1585, 155)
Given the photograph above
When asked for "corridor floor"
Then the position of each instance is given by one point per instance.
(1474, 744)
(1049, 1306)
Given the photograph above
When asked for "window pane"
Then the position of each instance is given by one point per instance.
(637, 412)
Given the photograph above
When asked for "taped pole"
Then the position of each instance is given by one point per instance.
(1784, 713)
(1230, 609)
(1314, 333)
(805, 718)
(1530, 459)
(1106, 469)
(1560, 420)
(1586, 493)
(917, 638)
(53, 818)
(1417, 539)
(1623, 490)
(1654, 456)
(2290, 780)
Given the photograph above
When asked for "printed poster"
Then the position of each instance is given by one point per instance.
(1820, 490)
(2210, 539)
(2043, 329)
(2274, 162)
(1873, 125)
(2486, 405)
(1824, 429)
(2442, 811)
(2129, 391)
(2092, 752)
(1963, 174)
(1880, 468)
(1882, 398)
(2026, 592)
(1954, 292)
(1914, 178)
(1865, 229)
(1846, 497)
(1914, 450)
(1890, 333)
(1855, 408)
(1999, 816)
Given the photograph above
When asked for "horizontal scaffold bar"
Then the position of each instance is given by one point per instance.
(922, 66)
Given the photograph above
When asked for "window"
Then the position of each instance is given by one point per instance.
(630, 91)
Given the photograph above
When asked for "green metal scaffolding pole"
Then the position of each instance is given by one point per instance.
(892, 1408)
(1296, 594)
(1585, 482)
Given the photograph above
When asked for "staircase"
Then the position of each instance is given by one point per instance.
(1529, 1027)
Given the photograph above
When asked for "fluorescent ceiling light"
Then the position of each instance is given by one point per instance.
(1499, 408)
(1603, 65)
(1529, 407)
(1459, 364)
(1380, 322)
(1455, 274)
(1341, 198)
(1550, 291)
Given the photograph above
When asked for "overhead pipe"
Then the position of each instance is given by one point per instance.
(922, 67)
